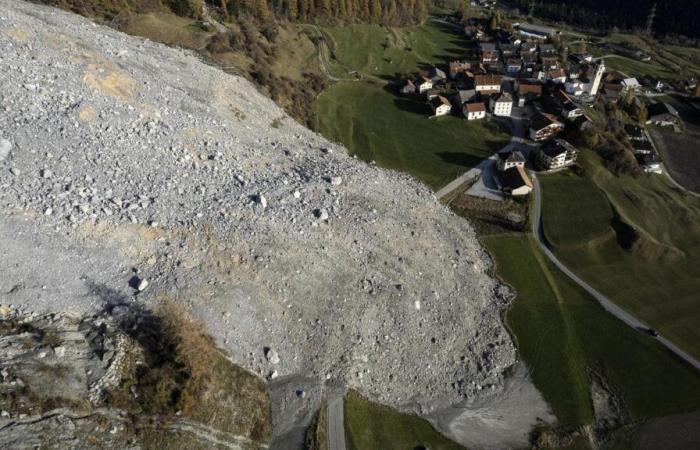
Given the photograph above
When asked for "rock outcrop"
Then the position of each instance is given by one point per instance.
(128, 161)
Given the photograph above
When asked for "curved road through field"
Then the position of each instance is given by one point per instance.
(604, 301)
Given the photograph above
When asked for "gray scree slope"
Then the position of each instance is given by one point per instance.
(122, 155)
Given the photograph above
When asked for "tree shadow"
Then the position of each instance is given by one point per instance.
(412, 105)
(460, 159)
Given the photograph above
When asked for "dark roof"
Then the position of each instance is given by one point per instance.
(634, 131)
(642, 145)
(515, 178)
(648, 158)
(436, 73)
(510, 156)
(543, 120)
(463, 96)
(528, 88)
(659, 109)
(439, 100)
(555, 147)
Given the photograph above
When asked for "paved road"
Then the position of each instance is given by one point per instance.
(604, 301)
(336, 428)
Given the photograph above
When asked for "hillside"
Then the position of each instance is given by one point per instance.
(131, 171)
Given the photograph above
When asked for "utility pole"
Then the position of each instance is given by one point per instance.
(649, 30)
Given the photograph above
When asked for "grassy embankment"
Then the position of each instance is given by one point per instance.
(651, 269)
(369, 426)
(375, 124)
(562, 333)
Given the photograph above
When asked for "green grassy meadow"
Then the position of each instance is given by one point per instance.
(376, 125)
(382, 52)
(656, 277)
(369, 426)
(562, 333)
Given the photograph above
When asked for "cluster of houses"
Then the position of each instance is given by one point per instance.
(643, 149)
(552, 154)
(523, 69)
(507, 70)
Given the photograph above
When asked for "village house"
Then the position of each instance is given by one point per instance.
(424, 84)
(509, 159)
(544, 126)
(529, 61)
(457, 67)
(472, 31)
(650, 161)
(514, 65)
(474, 111)
(642, 146)
(663, 114)
(574, 87)
(550, 63)
(557, 76)
(515, 182)
(527, 92)
(547, 50)
(409, 87)
(528, 48)
(612, 91)
(568, 108)
(488, 84)
(437, 75)
(652, 82)
(630, 84)
(634, 132)
(489, 53)
(503, 105)
(555, 154)
(432, 93)
(440, 106)
(580, 58)
(508, 50)
(463, 96)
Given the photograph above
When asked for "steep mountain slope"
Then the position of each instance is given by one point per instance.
(122, 160)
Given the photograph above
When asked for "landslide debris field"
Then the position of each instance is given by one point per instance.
(131, 172)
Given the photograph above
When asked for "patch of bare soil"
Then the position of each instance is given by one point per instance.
(490, 216)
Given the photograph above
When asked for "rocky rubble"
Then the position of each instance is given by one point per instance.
(301, 259)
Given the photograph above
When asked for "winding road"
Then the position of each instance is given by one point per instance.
(604, 301)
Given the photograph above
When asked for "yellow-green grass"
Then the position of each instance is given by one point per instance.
(562, 333)
(295, 53)
(370, 426)
(635, 68)
(396, 132)
(167, 28)
(378, 51)
(658, 277)
(563, 222)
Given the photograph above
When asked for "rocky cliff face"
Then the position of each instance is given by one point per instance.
(122, 160)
